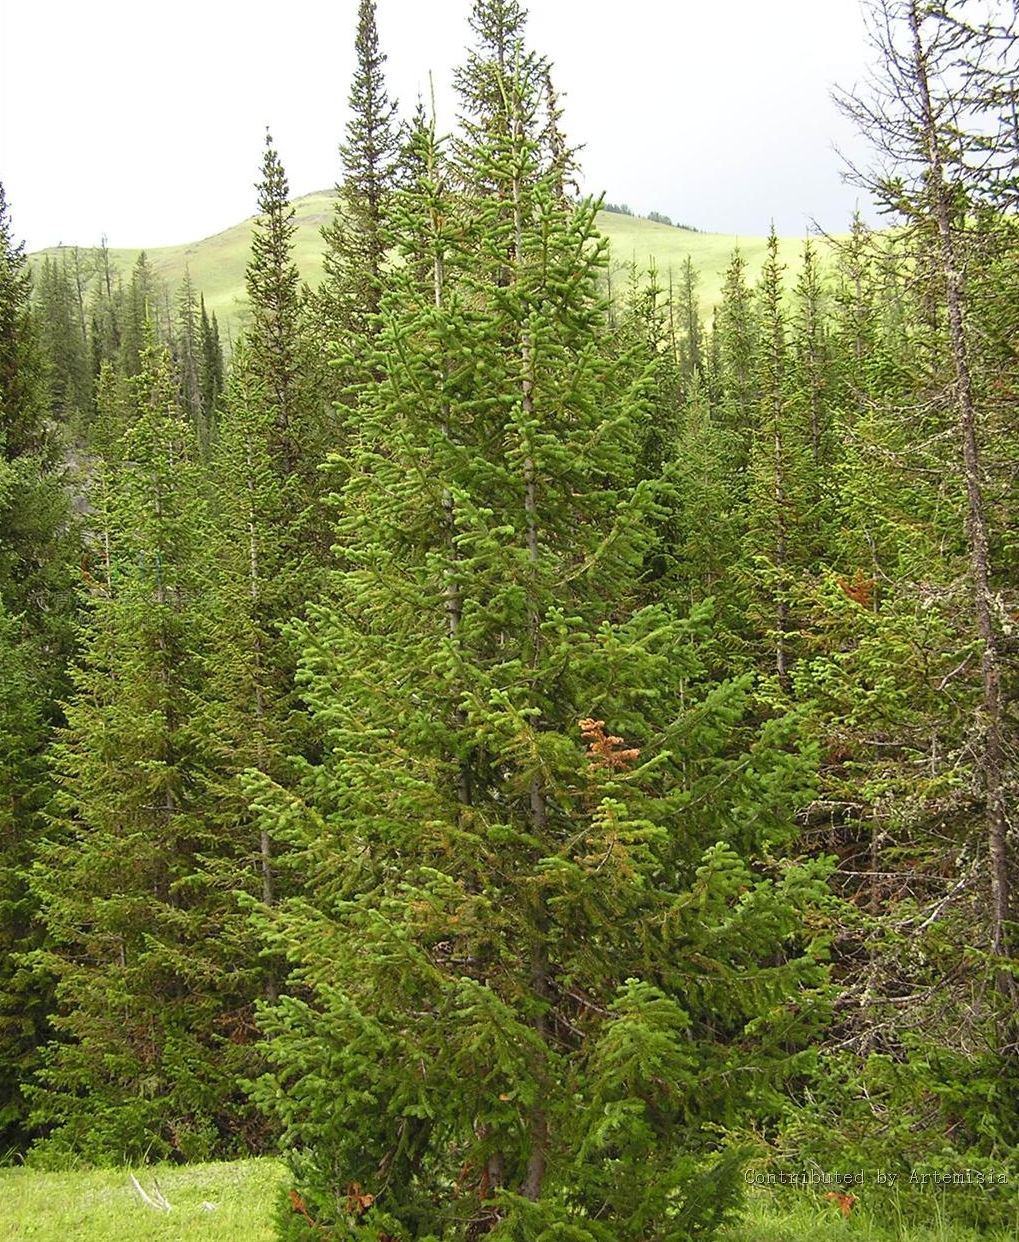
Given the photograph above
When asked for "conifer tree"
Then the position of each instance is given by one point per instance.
(780, 515)
(735, 344)
(260, 583)
(64, 340)
(275, 339)
(809, 339)
(141, 936)
(278, 376)
(37, 545)
(270, 531)
(138, 311)
(503, 877)
(25, 997)
(915, 117)
(907, 693)
(211, 370)
(691, 348)
(709, 525)
(356, 240)
(188, 358)
(105, 312)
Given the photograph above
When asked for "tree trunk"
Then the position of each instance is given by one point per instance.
(991, 750)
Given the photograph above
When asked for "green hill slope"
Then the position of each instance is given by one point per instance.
(217, 263)
(634, 241)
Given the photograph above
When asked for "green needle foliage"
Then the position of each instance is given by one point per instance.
(547, 754)
(357, 239)
(142, 941)
(530, 957)
(37, 607)
(275, 337)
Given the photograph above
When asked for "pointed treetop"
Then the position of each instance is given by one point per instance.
(372, 141)
(499, 25)
(15, 280)
(273, 187)
(507, 96)
(356, 239)
(271, 275)
(500, 51)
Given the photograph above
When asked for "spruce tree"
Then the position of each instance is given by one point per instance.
(913, 664)
(187, 351)
(260, 583)
(691, 332)
(780, 515)
(37, 607)
(356, 240)
(64, 339)
(105, 312)
(708, 524)
(210, 370)
(913, 116)
(735, 343)
(137, 316)
(275, 337)
(521, 902)
(152, 1018)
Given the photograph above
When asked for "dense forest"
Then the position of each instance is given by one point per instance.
(527, 758)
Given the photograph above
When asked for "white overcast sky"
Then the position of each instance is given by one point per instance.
(145, 122)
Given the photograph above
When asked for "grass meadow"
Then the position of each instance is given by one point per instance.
(236, 1203)
(208, 1203)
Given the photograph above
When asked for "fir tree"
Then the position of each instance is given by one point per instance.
(502, 877)
(138, 310)
(211, 370)
(37, 544)
(735, 342)
(188, 360)
(356, 240)
(152, 994)
(275, 334)
(58, 299)
(916, 119)
(691, 348)
(780, 517)
(260, 584)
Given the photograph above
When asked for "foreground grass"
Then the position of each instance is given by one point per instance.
(809, 1218)
(235, 1203)
(208, 1203)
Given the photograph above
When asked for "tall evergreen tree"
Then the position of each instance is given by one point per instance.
(137, 315)
(104, 312)
(691, 348)
(187, 351)
(278, 368)
(780, 517)
(502, 875)
(211, 369)
(357, 239)
(275, 337)
(916, 118)
(735, 377)
(58, 298)
(153, 998)
(37, 545)
(260, 583)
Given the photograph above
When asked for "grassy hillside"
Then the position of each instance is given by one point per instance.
(236, 1202)
(217, 263)
(643, 243)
